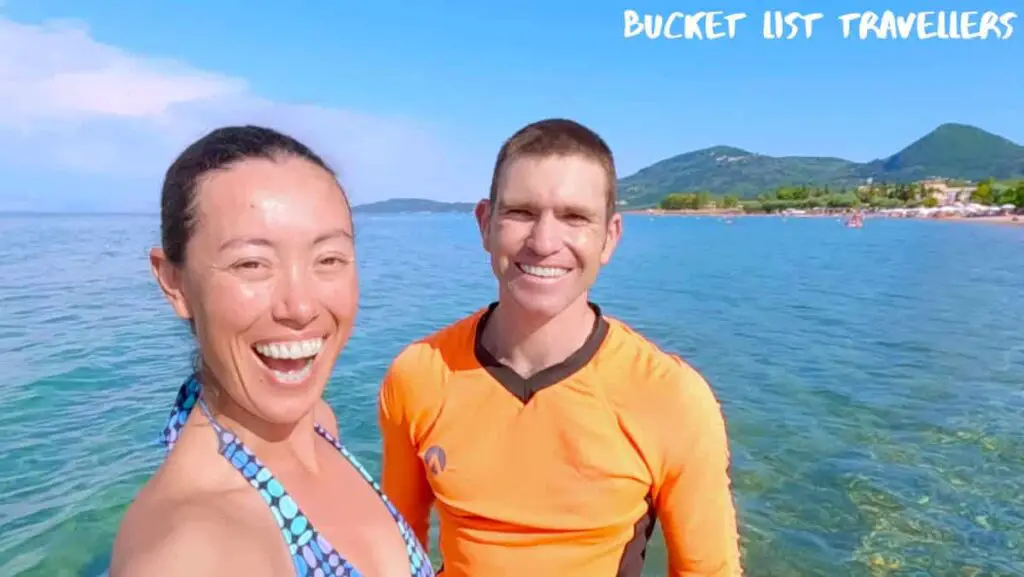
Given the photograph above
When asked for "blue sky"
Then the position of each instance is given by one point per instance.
(414, 98)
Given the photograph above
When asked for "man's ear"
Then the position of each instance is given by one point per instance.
(613, 233)
(483, 220)
(168, 276)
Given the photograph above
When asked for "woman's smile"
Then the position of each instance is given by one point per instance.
(289, 362)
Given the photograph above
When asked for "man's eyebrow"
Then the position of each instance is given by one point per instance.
(561, 209)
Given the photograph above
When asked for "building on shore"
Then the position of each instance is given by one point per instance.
(946, 194)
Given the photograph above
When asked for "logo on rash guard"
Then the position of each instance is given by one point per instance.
(435, 459)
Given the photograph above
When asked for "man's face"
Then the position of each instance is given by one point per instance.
(550, 233)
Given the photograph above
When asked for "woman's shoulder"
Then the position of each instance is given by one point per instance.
(324, 415)
(172, 529)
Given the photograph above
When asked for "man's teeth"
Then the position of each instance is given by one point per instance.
(543, 271)
(294, 376)
(291, 350)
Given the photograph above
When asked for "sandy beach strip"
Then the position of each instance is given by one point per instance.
(1007, 219)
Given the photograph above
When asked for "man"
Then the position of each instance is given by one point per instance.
(548, 435)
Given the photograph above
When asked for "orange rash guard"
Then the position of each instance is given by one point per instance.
(562, 474)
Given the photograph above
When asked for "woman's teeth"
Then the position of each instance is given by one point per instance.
(294, 376)
(291, 350)
(290, 361)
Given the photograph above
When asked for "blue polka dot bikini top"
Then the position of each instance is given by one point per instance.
(311, 554)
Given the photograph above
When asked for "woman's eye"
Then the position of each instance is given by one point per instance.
(335, 261)
(248, 264)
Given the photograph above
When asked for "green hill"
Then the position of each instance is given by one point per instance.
(398, 205)
(953, 151)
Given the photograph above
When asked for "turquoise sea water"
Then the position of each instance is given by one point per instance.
(873, 380)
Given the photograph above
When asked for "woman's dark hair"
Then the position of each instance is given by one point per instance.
(216, 151)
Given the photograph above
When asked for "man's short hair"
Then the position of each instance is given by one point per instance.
(557, 137)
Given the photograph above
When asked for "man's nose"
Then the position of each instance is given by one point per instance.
(545, 235)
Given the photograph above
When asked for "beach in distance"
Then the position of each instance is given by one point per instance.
(1007, 219)
(870, 378)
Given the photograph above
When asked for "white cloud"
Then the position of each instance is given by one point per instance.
(70, 103)
(57, 72)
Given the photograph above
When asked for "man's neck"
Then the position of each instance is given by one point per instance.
(529, 345)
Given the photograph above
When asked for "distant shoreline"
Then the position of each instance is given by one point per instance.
(1008, 219)
(688, 212)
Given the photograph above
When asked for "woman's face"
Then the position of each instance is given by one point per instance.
(269, 282)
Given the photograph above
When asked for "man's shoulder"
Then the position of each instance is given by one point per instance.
(662, 402)
(447, 347)
(415, 380)
(634, 353)
(646, 373)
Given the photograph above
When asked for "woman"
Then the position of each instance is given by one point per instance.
(258, 256)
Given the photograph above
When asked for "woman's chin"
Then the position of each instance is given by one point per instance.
(284, 399)
(285, 409)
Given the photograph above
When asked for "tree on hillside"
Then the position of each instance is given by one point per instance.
(983, 194)
(1013, 194)
(687, 201)
(905, 192)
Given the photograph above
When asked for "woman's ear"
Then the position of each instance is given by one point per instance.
(168, 276)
